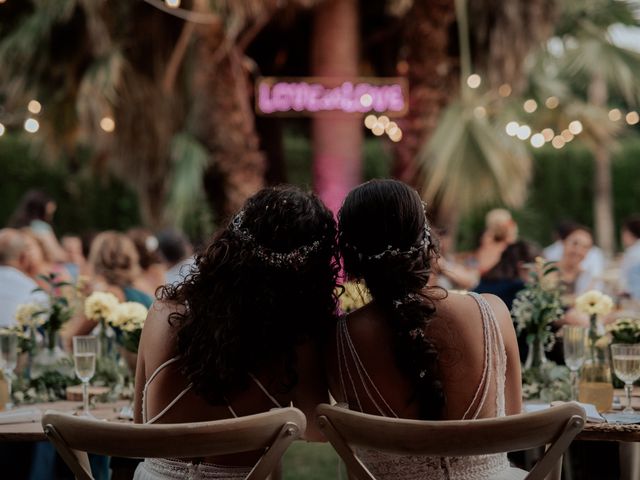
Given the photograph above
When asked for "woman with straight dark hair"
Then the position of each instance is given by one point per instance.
(415, 351)
(240, 334)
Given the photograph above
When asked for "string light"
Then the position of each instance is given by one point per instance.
(523, 132)
(391, 128)
(370, 121)
(474, 80)
(615, 114)
(558, 142)
(548, 134)
(480, 112)
(530, 106)
(512, 128)
(383, 120)
(366, 100)
(172, 3)
(566, 135)
(504, 90)
(378, 129)
(552, 102)
(2, 129)
(34, 107)
(537, 140)
(107, 124)
(575, 127)
(632, 117)
(31, 125)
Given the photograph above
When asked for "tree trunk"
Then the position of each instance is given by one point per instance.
(223, 120)
(433, 79)
(337, 138)
(602, 199)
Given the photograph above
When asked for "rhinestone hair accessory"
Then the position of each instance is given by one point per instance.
(294, 258)
(425, 241)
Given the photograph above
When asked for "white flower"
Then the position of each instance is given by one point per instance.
(129, 316)
(594, 302)
(100, 305)
(30, 314)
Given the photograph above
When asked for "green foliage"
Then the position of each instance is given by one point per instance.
(86, 202)
(548, 383)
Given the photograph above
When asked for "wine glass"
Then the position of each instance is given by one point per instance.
(9, 357)
(574, 341)
(85, 350)
(626, 364)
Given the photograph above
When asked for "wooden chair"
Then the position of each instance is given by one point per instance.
(555, 427)
(271, 431)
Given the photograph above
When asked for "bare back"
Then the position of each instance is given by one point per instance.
(163, 394)
(459, 337)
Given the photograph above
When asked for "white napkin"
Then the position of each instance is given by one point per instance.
(20, 415)
(593, 416)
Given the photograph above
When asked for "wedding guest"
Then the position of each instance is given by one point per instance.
(152, 269)
(239, 335)
(574, 277)
(630, 264)
(451, 273)
(42, 260)
(76, 261)
(500, 231)
(593, 263)
(177, 253)
(414, 351)
(36, 210)
(16, 265)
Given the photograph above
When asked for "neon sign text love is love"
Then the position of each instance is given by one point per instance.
(278, 96)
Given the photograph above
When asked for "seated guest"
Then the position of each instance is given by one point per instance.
(177, 253)
(76, 261)
(593, 263)
(414, 351)
(452, 274)
(573, 276)
(16, 266)
(500, 232)
(239, 335)
(630, 264)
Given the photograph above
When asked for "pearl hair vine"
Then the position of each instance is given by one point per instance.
(390, 251)
(294, 258)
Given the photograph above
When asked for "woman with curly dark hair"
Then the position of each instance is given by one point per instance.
(416, 351)
(239, 335)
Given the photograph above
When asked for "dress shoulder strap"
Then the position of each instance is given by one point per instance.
(495, 361)
(265, 391)
(146, 386)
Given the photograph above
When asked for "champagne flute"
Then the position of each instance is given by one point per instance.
(9, 356)
(85, 350)
(574, 341)
(626, 364)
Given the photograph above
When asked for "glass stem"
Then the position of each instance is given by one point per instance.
(628, 387)
(85, 397)
(7, 375)
(574, 385)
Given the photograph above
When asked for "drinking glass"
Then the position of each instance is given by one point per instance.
(9, 357)
(574, 340)
(85, 350)
(626, 364)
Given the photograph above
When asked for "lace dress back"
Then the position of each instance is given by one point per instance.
(354, 377)
(173, 469)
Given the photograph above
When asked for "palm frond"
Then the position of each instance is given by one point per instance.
(470, 162)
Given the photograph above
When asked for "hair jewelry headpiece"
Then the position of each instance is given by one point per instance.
(425, 241)
(293, 258)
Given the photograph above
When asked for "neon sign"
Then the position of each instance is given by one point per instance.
(311, 95)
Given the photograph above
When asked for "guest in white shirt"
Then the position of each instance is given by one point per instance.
(593, 263)
(630, 265)
(16, 287)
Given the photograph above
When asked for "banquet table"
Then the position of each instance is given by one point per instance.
(32, 431)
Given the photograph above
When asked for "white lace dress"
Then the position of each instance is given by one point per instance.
(387, 466)
(173, 469)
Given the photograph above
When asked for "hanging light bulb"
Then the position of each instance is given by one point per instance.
(370, 121)
(530, 106)
(575, 127)
(512, 128)
(31, 125)
(107, 124)
(523, 132)
(552, 102)
(615, 114)
(632, 117)
(548, 134)
(34, 107)
(537, 140)
(2, 129)
(504, 90)
(474, 80)
(172, 3)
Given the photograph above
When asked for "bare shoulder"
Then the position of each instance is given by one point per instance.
(158, 329)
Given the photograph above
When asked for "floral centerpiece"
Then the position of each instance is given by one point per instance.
(623, 330)
(129, 318)
(549, 382)
(535, 308)
(99, 307)
(595, 378)
(354, 295)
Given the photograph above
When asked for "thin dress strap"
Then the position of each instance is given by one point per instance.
(347, 353)
(146, 386)
(495, 361)
(265, 391)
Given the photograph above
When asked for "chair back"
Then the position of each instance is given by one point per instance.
(271, 431)
(555, 427)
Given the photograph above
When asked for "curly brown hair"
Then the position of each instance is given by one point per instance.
(387, 215)
(240, 313)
